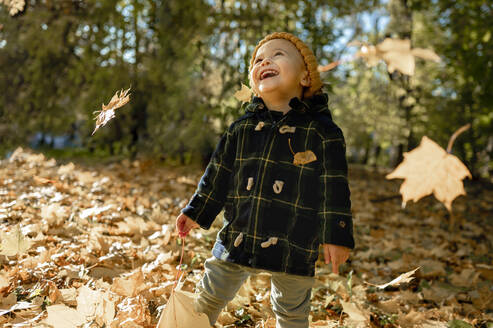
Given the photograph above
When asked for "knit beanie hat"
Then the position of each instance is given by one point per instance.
(308, 57)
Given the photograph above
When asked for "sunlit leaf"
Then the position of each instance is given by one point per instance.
(132, 312)
(244, 94)
(14, 6)
(354, 312)
(95, 305)
(14, 243)
(62, 316)
(328, 67)
(396, 53)
(403, 278)
(430, 169)
(129, 286)
(54, 214)
(425, 54)
(179, 313)
(108, 111)
(4, 281)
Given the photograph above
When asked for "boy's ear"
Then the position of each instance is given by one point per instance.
(305, 79)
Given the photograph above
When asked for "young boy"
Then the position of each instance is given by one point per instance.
(280, 173)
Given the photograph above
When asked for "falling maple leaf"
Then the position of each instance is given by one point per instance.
(430, 169)
(14, 243)
(107, 112)
(328, 67)
(244, 94)
(14, 6)
(403, 278)
(396, 53)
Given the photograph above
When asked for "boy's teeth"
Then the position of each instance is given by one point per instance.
(268, 74)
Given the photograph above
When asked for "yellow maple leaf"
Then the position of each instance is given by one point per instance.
(328, 67)
(304, 157)
(430, 169)
(14, 6)
(60, 315)
(244, 94)
(107, 112)
(132, 312)
(14, 243)
(180, 312)
(129, 286)
(396, 53)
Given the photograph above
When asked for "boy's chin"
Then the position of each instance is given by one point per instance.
(269, 90)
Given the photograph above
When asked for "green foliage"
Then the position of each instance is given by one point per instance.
(185, 59)
(459, 324)
(457, 91)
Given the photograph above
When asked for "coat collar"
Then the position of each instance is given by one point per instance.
(315, 104)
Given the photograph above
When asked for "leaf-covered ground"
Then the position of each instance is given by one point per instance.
(96, 246)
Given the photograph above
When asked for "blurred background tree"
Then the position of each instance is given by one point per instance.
(184, 60)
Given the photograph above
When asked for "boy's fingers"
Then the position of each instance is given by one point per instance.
(191, 224)
(326, 254)
(181, 224)
(335, 265)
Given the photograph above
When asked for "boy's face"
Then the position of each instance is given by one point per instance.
(279, 69)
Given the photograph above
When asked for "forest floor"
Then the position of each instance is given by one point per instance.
(97, 244)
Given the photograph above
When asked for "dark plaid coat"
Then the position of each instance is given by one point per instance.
(276, 213)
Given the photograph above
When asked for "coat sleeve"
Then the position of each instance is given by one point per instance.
(210, 195)
(335, 208)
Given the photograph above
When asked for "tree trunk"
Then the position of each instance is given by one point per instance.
(401, 26)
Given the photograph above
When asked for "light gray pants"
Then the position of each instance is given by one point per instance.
(290, 294)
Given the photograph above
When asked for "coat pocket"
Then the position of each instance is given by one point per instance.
(305, 231)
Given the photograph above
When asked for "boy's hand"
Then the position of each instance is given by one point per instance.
(335, 254)
(184, 224)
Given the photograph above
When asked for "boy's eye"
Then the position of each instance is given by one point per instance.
(278, 53)
(258, 60)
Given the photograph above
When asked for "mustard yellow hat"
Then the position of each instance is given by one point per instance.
(308, 57)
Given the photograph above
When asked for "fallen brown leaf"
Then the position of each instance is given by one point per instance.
(403, 278)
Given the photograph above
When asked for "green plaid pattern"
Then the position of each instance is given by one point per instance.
(276, 213)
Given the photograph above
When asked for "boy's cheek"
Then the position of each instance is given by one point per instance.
(254, 86)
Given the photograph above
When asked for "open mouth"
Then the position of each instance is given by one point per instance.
(268, 73)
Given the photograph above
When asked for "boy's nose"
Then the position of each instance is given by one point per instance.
(266, 61)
